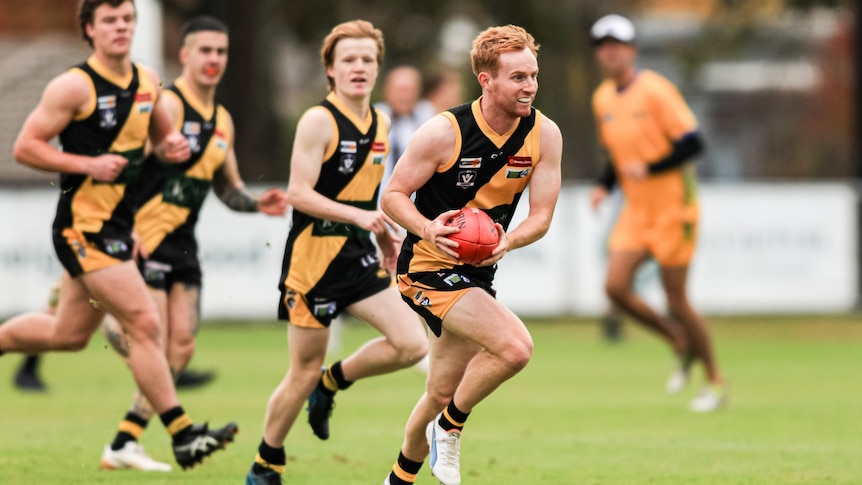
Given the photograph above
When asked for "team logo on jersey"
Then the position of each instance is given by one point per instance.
(425, 302)
(174, 189)
(347, 164)
(192, 132)
(155, 271)
(325, 309)
(517, 174)
(348, 146)
(144, 102)
(470, 162)
(454, 279)
(290, 299)
(418, 296)
(80, 249)
(520, 162)
(220, 140)
(326, 225)
(191, 128)
(107, 106)
(115, 246)
(518, 167)
(378, 152)
(466, 179)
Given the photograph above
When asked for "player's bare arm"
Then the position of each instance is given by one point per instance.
(227, 183)
(62, 100)
(314, 133)
(430, 148)
(168, 143)
(544, 190)
(273, 202)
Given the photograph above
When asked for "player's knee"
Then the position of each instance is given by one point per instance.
(72, 342)
(518, 353)
(616, 291)
(144, 326)
(182, 351)
(440, 398)
(412, 352)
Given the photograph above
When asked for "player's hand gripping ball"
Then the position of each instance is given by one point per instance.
(477, 236)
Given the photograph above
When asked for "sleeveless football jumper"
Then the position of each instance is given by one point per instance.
(93, 223)
(329, 265)
(487, 171)
(171, 195)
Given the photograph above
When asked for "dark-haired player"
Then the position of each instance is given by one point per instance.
(104, 110)
(170, 198)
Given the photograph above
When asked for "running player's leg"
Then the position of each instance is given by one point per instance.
(448, 358)
(506, 345)
(185, 317)
(674, 280)
(499, 345)
(184, 323)
(124, 451)
(69, 329)
(622, 266)
(125, 295)
(28, 377)
(307, 347)
(122, 292)
(404, 340)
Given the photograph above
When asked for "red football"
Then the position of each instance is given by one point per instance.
(477, 237)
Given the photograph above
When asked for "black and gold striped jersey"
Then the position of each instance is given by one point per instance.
(171, 195)
(487, 170)
(317, 249)
(117, 121)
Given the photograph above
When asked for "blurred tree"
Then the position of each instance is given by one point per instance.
(430, 32)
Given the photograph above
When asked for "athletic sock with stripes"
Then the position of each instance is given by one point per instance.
(177, 422)
(131, 429)
(452, 417)
(333, 379)
(269, 458)
(404, 471)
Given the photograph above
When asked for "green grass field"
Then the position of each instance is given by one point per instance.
(583, 412)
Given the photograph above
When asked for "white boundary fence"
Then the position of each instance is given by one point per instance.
(764, 248)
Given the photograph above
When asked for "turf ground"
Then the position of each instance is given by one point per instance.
(583, 412)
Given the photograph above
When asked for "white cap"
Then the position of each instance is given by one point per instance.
(614, 27)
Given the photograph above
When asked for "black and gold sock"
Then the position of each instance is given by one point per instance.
(131, 429)
(452, 417)
(177, 422)
(333, 379)
(404, 470)
(268, 457)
